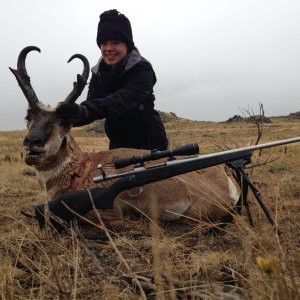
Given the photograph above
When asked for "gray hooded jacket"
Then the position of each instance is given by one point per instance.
(124, 97)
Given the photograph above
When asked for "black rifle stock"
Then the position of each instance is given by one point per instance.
(68, 205)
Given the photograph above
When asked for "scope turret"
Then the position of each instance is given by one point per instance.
(184, 150)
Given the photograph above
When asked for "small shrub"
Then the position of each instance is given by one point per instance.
(7, 158)
(279, 167)
(295, 186)
(28, 172)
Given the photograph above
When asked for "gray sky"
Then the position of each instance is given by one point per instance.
(211, 57)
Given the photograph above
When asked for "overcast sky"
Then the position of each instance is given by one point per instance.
(211, 57)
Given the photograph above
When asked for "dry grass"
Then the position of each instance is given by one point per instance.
(133, 259)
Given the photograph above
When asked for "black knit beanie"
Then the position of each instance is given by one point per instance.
(114, 26)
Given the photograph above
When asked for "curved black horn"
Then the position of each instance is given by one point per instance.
(23, 78)
(81, 79)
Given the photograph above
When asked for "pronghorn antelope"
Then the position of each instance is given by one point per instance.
(62, 167)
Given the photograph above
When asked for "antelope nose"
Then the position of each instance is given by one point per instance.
(30, 141)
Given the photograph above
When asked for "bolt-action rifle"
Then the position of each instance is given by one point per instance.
(69, 205)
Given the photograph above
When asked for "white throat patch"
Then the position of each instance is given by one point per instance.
(45, 176)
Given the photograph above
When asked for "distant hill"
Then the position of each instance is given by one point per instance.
(295, 115)
(98, 126)
(238, 118)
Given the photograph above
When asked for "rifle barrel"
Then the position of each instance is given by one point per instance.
(256, 147)
(236, 153)
(273, 144)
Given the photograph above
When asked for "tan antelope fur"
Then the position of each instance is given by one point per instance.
(62, 167)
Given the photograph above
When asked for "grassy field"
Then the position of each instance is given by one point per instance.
(140, 259)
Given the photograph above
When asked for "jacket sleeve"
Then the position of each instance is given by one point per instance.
(138, 88)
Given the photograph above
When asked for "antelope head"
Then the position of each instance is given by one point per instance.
(47, 134)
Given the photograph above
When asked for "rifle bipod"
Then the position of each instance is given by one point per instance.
(244, 182)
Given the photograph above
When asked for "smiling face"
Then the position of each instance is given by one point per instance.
(113, 52)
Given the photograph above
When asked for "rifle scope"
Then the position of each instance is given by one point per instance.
(188, 149)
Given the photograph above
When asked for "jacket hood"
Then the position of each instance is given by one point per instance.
(131, 60)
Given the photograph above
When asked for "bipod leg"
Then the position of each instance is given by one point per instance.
(245, 182)
(237, 166)
(256, 193)
(243, 200)
(244, 186)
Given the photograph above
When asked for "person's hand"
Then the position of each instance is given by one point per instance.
(70, 112)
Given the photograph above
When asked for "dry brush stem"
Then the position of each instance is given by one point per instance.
(104, 228)
(258, 120)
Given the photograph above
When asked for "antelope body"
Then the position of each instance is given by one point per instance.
(62, 167)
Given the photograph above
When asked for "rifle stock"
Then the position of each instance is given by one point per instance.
(83, 201)
(67, 206)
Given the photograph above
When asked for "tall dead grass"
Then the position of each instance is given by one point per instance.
(145, 259)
